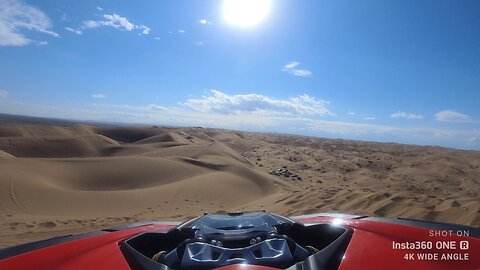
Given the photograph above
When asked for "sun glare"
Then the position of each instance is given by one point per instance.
(245, 12)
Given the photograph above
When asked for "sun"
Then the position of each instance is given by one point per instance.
(245, 13)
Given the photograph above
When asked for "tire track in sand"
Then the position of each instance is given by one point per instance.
(9, 201)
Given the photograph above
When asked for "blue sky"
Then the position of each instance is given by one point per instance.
(403, 71)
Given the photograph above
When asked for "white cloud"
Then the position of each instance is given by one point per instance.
(368, 118)
(351, 113)
(156, 38)
(99, 8)
(78, 32)
(113, 20)
(300, 72)
(181, 31)
(145, 29)
(3, 94)
(205, 22)
(291, 65)
(291, 69)
(118, 22)
(41, 43)
(99, 96)
(222, 103)
(452, 116)
(405, 115)
(16, 16)
(91, 24)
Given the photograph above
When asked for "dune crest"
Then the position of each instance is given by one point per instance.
(5, 155)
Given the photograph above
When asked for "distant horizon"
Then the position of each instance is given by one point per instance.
(383, 71)
(68, 121)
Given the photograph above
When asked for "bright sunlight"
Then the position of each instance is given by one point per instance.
(245, 13)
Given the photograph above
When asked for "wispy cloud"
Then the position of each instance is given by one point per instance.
(145, 29)
(219, 102)
(113, 20)
(131, 108)
(3, 94)
(368, 118)
(204, 22)
(351, 113)
(118, 22)
(198, 43)
(99, 8)
(346, 128)
(16, 16)
(78, 32)
(452, 116)
(291, 65)
(426, 136)
(99, 96)
(474, 139)
(404, 115)
(300, 72)
(291, 69)
(181, 31)
(156, 38)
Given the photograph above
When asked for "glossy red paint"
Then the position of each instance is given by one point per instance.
(371, 247)
(97, 252)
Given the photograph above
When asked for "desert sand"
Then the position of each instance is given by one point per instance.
(64, 178)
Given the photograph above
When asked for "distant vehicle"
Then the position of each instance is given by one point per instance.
(259, 241)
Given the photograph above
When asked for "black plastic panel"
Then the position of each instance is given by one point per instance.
(20, 249)
(139, 224)
(139, 249)
(24, 248)
(330, 243)
(329, 258)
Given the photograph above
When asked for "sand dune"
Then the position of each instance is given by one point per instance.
(57, 179)
(5, 155)
(55, 146)
(130, 134)
(168, 137)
